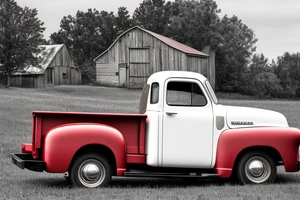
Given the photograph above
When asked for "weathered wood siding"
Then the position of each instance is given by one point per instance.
(107, 67)
(210, 65)
(28, 81)
(62, 64)
(143, 54)
(196, 64)
(62, 58)
(107, 74)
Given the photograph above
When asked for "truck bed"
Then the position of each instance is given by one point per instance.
(132, 126)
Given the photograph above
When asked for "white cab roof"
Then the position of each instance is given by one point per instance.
(162, 76)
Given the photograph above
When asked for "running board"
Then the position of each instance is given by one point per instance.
(171, 175)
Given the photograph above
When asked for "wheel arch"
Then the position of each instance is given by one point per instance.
(98, 149)
(63, 142)
(272, 152)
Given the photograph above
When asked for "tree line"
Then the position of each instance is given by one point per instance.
(194, 23)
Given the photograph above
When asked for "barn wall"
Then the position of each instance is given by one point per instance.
(172, 59)
(106, 74)
(28, 81)
(62, 75)
(211, 65)
(62, 58)
(107, 67)
(62, 65)
(197, 64)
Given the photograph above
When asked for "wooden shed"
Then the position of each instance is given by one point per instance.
(56, 67)
(137, 53)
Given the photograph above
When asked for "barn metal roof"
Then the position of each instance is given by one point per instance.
(168, 41)
(176, 45)
(47, 54)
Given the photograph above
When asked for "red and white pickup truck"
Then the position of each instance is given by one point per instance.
(184, 132)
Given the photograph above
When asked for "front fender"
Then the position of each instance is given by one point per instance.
(62, 142)
(231, 142)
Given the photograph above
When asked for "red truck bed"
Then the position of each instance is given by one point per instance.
(132, 126)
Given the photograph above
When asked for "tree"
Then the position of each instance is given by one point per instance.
(123, 20)
(260, 80)
(234, 54)
(21, 33)
(195, 23)
(153, 15)
(287, 70)
(259, 64)
(87, 35)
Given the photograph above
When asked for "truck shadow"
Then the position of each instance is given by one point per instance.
(131, 183)
(120, 182)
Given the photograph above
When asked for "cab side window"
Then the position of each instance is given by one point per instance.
(154, 93)
(185, 94)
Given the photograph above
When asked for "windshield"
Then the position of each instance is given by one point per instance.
(211, 92)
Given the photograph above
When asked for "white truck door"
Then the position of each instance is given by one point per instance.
(187, 128)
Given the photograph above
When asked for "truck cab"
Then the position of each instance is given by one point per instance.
(181, 131)
(181, 104)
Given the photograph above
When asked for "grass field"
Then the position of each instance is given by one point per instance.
(17, 104)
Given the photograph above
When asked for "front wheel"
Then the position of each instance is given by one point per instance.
(91, 171)
(256, 168)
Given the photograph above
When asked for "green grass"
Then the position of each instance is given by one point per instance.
(16, 105)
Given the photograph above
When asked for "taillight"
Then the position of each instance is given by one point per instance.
(26, 148)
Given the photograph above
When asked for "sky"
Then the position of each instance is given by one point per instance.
(276, 23)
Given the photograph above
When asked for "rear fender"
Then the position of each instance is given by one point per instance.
(62, 142)
(235, 141)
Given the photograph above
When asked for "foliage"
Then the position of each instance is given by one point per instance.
(123, 20)
(153, 15)
(234, 53)
(20, 34)
(90, 33)
(195, 23)
(259, 79)
(287, 70)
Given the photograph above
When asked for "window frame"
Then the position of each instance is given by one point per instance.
(191, 82)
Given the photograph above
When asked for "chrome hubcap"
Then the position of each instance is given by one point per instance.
(91, 173)
(258, 169)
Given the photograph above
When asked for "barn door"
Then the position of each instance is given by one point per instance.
(139, 65)
(122, 74)
(49, 76)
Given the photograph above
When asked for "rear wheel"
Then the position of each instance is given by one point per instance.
(91, 170)
(256, 168)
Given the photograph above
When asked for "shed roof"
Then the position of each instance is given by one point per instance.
(48, 52)
(168, 41)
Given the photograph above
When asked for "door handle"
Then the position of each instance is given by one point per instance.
(171, 113)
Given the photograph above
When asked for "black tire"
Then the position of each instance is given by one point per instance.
(256, 168)
(91, 171)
